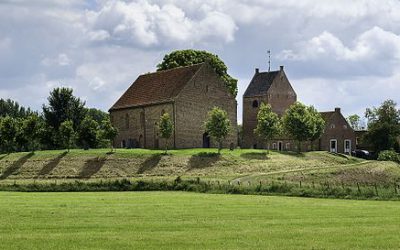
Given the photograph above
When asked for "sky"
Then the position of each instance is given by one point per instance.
(336, 53)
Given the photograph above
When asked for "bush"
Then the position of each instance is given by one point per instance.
(389, 155)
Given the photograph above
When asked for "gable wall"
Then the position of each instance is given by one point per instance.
(341, 131)
(205, 91)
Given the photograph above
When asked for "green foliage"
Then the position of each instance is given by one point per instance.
(389, 155)
(218, 125)
(166, 128)
(31, 129)
(8, 130)
(303, 123)
(354, 121)
(268, 123)
(63, 105)
(96, 114)
(88, 133)
(189, 57)
(383, 126)
(108, 132)
(13, 109)
(67, 133)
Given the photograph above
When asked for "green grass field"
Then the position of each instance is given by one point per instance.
(176, 220)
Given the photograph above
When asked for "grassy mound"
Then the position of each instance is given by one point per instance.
(80, 164)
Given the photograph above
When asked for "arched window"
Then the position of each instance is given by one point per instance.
(255, 104)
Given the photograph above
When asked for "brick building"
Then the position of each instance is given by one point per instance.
(338, 136)
(275, 89)
(187, 94)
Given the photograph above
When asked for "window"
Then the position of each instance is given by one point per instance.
(255, 104)
(162, 112)
(274, 146)
(287, 146)
(345, 126)
(332, 125)
(206, 88)
(347, 146)
(127, 121)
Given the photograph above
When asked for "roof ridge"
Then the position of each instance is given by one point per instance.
(167, 70)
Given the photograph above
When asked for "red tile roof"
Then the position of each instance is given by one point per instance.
(156, 87)
(327, 115)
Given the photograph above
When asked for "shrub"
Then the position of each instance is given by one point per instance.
(389, 155)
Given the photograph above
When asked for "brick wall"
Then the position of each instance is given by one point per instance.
(205, 91)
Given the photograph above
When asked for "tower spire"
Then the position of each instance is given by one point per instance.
(269, 60)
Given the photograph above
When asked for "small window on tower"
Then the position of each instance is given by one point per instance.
(255, 104)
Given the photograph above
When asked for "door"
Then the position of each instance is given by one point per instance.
(206, 140)
(347, 146)
(280, 146)
(333, 146)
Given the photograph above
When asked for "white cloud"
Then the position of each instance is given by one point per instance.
(141, 23)
(371, 44)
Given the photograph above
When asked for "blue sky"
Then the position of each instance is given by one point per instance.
(336, 53)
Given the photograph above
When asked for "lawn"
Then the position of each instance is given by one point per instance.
(175, 220)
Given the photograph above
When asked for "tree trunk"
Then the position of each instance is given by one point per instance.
(298, 146)
(219, 147)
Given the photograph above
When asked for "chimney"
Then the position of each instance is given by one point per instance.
(257, 70)
(337, 110)
(281, 68)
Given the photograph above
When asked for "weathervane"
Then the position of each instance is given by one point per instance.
(269, 60)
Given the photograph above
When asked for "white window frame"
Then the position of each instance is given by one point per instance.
(287, 145)
(330, 146)
(347, 151)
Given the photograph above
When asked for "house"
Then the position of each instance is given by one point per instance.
(275, 89)
(338, 135)
(187, 94)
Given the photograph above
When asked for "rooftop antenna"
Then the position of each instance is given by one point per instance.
(269, 60)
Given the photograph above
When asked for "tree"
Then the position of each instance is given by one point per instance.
(166, 128)
(108, 132)
(189, 57)
(96, 114)
(383, 126)
(218, 125)
(63, 105)
(303, 123)
(87, 133)
(8, 130)
(354, 121)
(13, 109)
(67, 133)
(268, 124)
(317, 125)
(31, 127)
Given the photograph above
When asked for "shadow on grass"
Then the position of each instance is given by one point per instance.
(150, 163)
(255, 156)
(340, 155)
(203, 160)
(52, 164)
(91, 167)
(15, 166)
